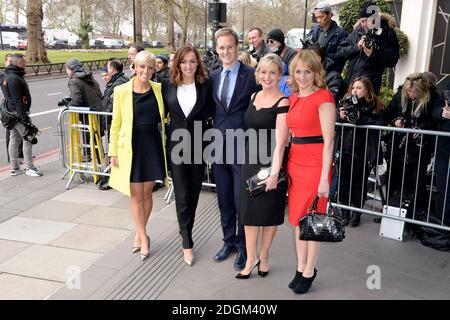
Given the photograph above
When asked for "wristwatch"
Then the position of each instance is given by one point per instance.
(274, 174)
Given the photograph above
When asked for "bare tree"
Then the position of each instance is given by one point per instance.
(113, 13)
(154, 16)
(35, 50)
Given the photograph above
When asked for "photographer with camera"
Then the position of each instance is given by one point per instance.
(360, 106)
(411, 107)
(257, 48)
(327, 35)
(275, 39)
(441, 113)
(18, 102)
(370, 50)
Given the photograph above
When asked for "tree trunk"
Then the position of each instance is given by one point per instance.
(16, 11)
(138, 21)
(35, 50)
(186, 13)
(170, 26)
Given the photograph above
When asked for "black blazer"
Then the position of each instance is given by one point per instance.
(202, 111)
(233, 117)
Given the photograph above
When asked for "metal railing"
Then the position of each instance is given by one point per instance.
(60, 68)
(408, 159)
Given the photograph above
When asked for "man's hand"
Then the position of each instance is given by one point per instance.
(361, 42)
(342, 113)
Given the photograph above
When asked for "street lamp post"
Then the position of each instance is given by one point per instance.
(306, 15)
(1, 37)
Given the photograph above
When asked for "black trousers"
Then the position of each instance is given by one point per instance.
(187, 182)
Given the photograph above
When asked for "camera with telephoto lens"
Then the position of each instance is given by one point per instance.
(64, 102)
(447, 96)
(351, 107)
(252, 51)
(31, 131)
(372, 38)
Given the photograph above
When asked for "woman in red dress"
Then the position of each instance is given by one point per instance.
(311, 121)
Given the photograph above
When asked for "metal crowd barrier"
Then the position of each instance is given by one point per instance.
(84, 150)
(407, 159)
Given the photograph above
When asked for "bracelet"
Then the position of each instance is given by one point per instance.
(274, 174)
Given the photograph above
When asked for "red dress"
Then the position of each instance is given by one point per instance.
(305, 160)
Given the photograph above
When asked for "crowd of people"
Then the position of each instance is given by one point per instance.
(292, 100)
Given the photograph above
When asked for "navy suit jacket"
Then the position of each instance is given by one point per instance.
(233, 116)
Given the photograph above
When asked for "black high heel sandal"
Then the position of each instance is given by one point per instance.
(246, 276)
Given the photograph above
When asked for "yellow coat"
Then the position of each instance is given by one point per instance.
(121, 134)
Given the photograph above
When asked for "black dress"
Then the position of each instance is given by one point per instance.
(148, 157)
(267, 208)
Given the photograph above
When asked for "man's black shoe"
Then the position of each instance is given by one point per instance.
(223, 253)
(239, 262)
(356, 218)
(346, 216)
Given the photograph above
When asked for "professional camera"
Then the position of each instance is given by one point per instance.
(64, 101)
(31, 131)
(351, 106)
(252, 51)
(372, 38)
(447, 96)
(309, 42)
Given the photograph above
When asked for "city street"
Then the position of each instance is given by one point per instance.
(45, 95)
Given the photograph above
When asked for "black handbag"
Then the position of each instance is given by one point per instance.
(252, 183)
(327, 227)
(7, 117)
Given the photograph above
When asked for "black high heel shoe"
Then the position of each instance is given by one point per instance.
(297, 277)
(263, 273)
(305, 283)
(246, 276)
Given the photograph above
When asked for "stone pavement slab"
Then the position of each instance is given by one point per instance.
(11, 248)
(21, 203)
(91, 238)
(57, 210)
(6, 214)
(49, 263)
(33, 230)
(107, 217)
(24, 288)
(90, 196)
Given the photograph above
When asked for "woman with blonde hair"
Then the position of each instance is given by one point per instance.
(137, 145)
(411, 107)
(247, 59)
(264, 212)
(311, 121)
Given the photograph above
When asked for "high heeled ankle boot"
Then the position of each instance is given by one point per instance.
(297, 277)
(305, 283)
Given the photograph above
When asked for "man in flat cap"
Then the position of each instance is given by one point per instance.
(328, 35)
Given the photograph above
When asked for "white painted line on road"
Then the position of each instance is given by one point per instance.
(54, 94)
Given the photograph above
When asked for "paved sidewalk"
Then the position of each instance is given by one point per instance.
(49, 234)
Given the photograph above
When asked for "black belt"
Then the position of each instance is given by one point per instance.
(307, 140)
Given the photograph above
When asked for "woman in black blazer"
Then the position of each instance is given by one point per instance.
(188, 102)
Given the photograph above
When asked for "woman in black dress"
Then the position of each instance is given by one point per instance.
(266, 117)
(137, 148)
(188, 100)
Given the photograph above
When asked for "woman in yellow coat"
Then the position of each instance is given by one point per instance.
(137, 144)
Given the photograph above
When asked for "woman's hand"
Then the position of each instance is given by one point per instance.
(342, 113)
(271, 183)
(324, 188)
(114, 162)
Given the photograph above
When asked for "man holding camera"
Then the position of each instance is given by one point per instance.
(257, 48)
(370, 48)
(328, 35)
(18, 101)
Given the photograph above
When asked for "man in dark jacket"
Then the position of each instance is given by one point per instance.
(84, 92)
(365, 60)
(162, 70)
(328, 35)
(257, 48)
(115, 72)
(18, 101)
(441, 113)
(275, 39)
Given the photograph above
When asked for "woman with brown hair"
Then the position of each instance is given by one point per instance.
(360, 106)
(311, 121)
(188, 102)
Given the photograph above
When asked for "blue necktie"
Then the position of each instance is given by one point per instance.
(225, 85)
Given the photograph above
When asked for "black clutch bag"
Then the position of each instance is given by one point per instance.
(252, 183)
(327, 227)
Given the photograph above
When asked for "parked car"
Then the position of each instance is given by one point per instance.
(96, 44)
(157, 44)
(147, 44)
(58, 45)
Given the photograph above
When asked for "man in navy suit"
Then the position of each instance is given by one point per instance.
(233, 85)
